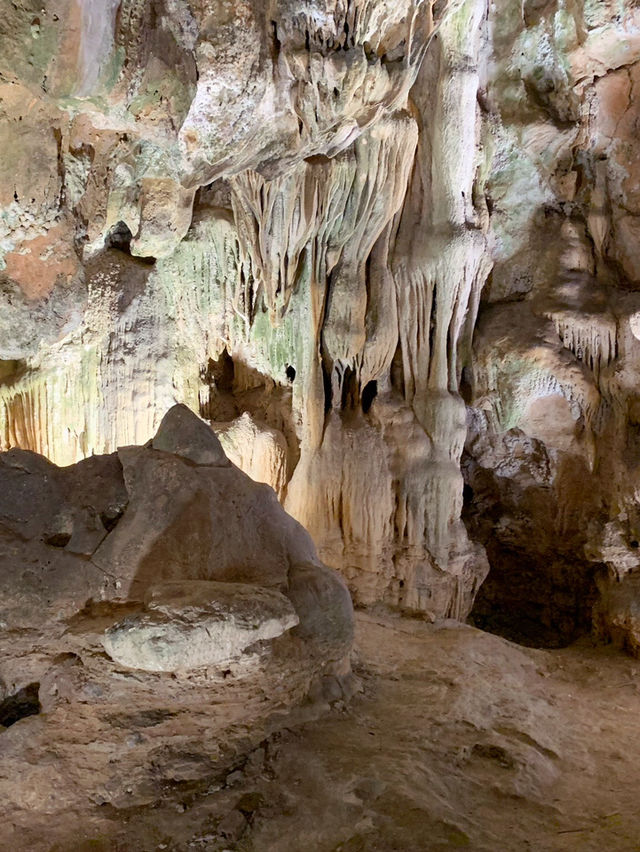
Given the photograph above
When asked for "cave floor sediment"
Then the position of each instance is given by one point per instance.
(455, 739)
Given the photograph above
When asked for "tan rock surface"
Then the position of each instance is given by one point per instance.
(458, 739)
(122, 553)
(389, 252)
(256, 160)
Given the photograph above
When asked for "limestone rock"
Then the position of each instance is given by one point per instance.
(198, 523)
(183, 435)
(193, 624)
(384, 256)
(210, 601)
(617, 613)
(52, 520)
(255, 163)
(378, 212)
(257, 449)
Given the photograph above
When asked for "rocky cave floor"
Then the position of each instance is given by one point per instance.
(455, 739)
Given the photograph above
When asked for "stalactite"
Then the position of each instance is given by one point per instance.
(593, 340)
(438, 280)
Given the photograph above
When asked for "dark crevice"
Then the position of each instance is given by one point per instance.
(222, 372)
(369, 393)
(397, 371)
(110, 518)
(317, 160)
(21, 704)
(349, 388)
(328, 394)
(432, 321)
(58, 539)
(277, 45)
(119, 238)
(466, 385)
(219, 376)
(12, 371)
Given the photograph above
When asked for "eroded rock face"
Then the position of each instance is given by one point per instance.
(210, 602)
(555, 358)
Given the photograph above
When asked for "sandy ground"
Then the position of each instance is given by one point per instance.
(457, 739)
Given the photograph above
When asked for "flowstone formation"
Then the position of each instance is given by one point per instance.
(387, 249)
(160, 615)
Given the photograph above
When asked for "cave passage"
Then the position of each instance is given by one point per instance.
(536, 605)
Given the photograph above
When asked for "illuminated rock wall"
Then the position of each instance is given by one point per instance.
(355, 236)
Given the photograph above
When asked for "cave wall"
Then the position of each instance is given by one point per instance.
(551, 452)
(377, 244)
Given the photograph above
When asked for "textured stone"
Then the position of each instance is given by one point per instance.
(189, 625)
(384, 256)
(211, 603)
(183, 435)
(377, 212)
(260, 159)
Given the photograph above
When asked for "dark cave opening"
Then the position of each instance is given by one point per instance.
(540, 606)
(25, 702)
(369, 393)
(12, 371)
(119, 238)
(222, 372)
(538, 592)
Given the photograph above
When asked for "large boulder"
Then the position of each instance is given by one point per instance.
(52, 520)
(215, 613)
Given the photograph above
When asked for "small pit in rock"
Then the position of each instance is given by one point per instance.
(58, 539)
(25, 702)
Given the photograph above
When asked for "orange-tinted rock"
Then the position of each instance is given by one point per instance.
(38, 264)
